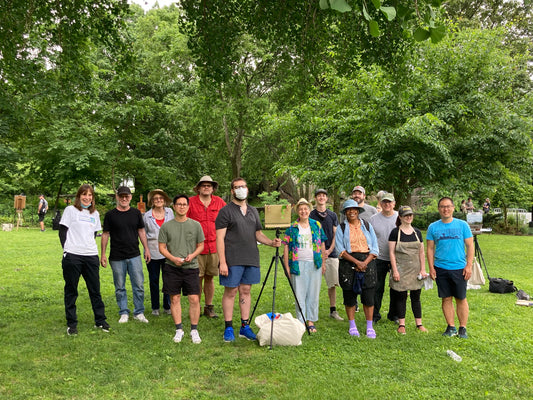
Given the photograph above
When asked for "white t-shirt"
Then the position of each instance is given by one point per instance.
(81, 228)
(305, 248)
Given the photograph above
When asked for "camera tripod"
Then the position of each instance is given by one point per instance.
(479, 255)
(276, 259)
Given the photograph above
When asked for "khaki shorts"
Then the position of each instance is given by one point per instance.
(332, 272)
(208, 264)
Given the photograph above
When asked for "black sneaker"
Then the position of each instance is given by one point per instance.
(104, 326)
(450, 331)
(462, 333)
(72, 330)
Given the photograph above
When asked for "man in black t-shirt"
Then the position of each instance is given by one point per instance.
(238, 229)
(125, 226)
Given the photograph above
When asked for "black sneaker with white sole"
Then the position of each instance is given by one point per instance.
(72, 330)
(104, 326)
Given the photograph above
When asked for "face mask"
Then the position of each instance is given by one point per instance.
(85, 206)
(241, 193)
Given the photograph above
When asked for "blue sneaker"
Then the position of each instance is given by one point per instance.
(229, 336)
(462, 333)
(450, 331)
(246, 332)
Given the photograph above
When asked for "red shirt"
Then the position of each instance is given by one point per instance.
(206, 217)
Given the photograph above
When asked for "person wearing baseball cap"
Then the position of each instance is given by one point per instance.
(125, 226)
(359, 195)
(383, 223)
(406, 249)
(204, 208)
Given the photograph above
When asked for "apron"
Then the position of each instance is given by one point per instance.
(408, 264)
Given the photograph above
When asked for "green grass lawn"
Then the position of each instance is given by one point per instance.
(140, 361)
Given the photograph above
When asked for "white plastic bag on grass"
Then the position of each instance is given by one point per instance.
(288, 331)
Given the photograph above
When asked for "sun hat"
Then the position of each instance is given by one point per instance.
(162, 193)
(302, 202)
(351, 204)
(405, 210)
(206, 179)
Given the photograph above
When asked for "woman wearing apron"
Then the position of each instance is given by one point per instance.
(406, 248)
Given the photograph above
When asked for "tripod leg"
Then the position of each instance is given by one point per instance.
(263, 287)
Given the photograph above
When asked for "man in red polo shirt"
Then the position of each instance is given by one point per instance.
(204, 208)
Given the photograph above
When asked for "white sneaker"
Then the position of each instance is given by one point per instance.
(155, 312)
(195, 336)
(123, 319)
(140, 317)
(179, 335)
(335, 315)
(167, 311)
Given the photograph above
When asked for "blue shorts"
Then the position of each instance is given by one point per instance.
(240, 274)
(451, 282)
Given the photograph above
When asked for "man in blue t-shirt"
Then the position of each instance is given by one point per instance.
(449, 265)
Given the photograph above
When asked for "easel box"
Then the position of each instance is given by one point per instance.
(20, 202)
(277, 216)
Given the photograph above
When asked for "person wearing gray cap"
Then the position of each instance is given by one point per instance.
(359, 195)
(204, 208)
(383, 223)
(125, 226)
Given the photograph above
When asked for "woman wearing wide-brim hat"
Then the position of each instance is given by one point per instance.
(156, 216)
(303, 255)
(357, 246)
(407, 258)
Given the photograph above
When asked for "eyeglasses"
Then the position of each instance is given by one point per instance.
(240, 187)
(445, 206)
(206, 185)
(158, 199)
(181, 204)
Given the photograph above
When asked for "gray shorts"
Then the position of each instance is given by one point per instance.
(332, 272)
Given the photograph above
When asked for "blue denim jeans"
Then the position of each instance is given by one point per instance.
(134, 268)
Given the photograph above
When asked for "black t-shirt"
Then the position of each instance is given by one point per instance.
(393, 237)
(123, 227)
(328, 222)
(240, 243)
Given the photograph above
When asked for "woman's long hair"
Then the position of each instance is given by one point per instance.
(82, 190)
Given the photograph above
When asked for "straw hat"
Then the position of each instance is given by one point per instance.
(160, 192)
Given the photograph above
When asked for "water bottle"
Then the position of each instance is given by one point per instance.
(454, 355)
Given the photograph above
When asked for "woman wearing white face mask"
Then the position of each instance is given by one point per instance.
(77, 231)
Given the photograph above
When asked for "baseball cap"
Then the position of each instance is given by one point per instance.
(318, 191)
(387, 196)
(405, 210)
(359, 188)
(123, 190)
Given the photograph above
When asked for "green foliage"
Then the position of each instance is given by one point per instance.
(271, 198)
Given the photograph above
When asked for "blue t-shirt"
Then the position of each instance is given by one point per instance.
(449, 241)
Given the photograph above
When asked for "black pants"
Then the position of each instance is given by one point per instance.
(382, 269)
(75, 266)
(399, 300)
(154, 272)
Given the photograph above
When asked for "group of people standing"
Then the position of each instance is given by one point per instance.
(201, 237)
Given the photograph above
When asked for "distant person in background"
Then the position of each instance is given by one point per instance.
(486, 206)
(406, 251)
(42, 208)
(158, 214)
(379, 195)
(463, 206)
(303, 256)
(469, 205)
(77, 231)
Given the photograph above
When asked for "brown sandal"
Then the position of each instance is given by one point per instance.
(421, 328)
